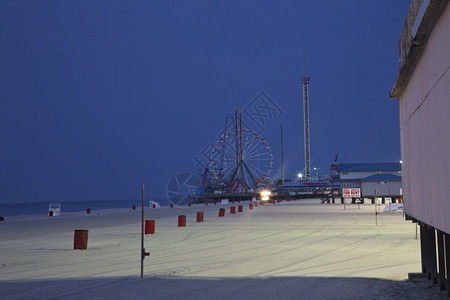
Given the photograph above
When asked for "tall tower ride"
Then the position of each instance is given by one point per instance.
(305, 82)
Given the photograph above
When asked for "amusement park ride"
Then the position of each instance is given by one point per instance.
(239, 165)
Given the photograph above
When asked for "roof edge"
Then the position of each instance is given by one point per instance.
(416, 31)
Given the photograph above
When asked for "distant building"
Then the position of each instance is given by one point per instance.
(304, 189)
(375, 180)
(423, 90)
(382, 185)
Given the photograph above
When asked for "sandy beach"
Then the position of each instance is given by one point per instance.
(288, 250)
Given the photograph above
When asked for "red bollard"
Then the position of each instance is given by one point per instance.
(150, 226)
(232, 210)
(133, 207)
(222, 212)
(240, 208)
(154, 206)
(88, 210)
(199, 216)
(250, 206)
(181, 221)
(50, 213)
(80, 239)
(171, 204)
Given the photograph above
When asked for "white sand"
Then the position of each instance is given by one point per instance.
(291, 250)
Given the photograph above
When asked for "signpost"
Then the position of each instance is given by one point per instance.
(351, 192)
(376, 211)
(143, 253)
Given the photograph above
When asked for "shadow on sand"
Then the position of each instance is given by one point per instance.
(219, 288)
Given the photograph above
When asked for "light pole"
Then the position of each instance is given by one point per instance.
(317, 173)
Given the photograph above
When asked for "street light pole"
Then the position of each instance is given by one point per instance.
(317, 173)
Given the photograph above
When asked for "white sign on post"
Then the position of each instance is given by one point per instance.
(351, 192)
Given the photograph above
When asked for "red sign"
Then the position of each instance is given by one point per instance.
(351, 193)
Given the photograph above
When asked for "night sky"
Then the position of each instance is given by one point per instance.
(98, 97)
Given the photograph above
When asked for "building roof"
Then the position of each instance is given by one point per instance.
(372, 167)
(421, 18)
(382, 177)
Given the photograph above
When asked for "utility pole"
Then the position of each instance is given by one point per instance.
(282, 156)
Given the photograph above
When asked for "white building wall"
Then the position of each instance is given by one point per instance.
(355, 175)
(361, 175)
(386, 189)
(425, 131)
(351, 184)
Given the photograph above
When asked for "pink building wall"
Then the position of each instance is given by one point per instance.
(425, 131)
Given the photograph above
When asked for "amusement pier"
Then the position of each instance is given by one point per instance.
(241, 162)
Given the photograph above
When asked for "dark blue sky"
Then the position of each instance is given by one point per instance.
(98, 97)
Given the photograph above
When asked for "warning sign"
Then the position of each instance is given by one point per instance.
(351, 192)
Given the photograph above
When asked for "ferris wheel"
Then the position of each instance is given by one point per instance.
(241, 160)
